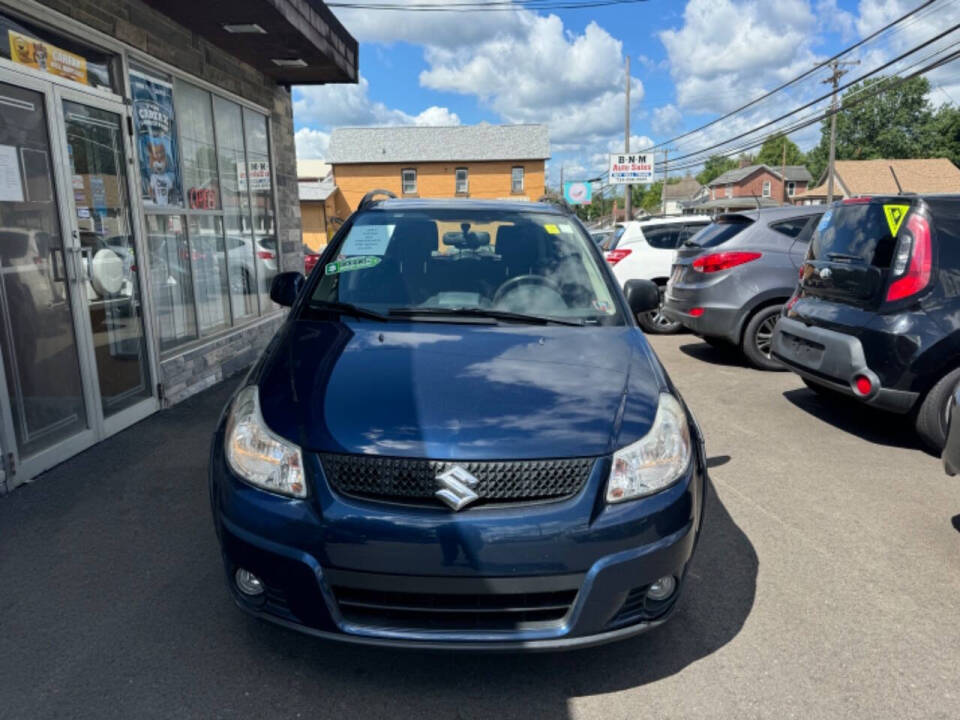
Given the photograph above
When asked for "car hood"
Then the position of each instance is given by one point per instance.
(452, 391)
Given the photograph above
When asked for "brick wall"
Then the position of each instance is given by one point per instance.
(490, 180)
(753, 185)
(139, 25)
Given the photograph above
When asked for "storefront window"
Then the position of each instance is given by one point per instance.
(211, 221)
(199, 155)
(261, 194)
(30, 46)
(209, 272)
(171, 280)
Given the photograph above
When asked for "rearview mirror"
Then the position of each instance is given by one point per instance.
(285, 288)
(642, 295)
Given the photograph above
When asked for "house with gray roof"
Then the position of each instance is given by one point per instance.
(478, 161)
(752, 186)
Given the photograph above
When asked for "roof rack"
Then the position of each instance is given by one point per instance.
(370, 198)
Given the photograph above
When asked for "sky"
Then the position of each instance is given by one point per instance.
(692, 61)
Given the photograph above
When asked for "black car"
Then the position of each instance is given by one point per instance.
(876, 315)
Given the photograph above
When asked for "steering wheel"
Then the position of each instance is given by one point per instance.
(515, 282)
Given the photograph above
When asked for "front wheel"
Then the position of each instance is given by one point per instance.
(656, 323)
(758, 339)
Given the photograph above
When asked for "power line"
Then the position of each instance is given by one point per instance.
(798, 78)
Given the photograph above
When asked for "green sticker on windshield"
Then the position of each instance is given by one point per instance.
(895, 215)
(354, 263)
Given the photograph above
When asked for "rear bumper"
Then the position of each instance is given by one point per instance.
(716, 320)
(834, 360)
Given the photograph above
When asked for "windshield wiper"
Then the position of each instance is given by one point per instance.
(481, 313)
(348, 309)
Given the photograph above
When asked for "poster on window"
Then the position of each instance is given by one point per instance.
(259, 176)
(156, 140)
(25, 50)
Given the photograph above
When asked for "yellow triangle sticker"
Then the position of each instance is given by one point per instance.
(895, 215)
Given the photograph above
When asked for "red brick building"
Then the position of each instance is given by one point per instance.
(753, 185)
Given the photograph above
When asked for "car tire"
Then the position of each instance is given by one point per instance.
(656, 323)
(931, 418)
(758, 338)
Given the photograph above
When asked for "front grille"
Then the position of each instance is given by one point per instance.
(452, 612)
(413, 480)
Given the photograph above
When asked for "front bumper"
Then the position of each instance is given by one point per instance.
(834, 360)
(603, 557)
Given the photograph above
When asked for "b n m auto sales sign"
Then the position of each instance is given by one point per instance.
(629, 168)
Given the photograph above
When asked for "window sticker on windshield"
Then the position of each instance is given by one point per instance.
(552, 229)
(367, 240)
(824, 221)
(895, 215)
(603, 306)
(349, 264)
(565, 228)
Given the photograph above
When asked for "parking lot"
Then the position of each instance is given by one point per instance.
(826, 585)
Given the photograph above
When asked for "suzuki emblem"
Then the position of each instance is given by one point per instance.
(457, 488)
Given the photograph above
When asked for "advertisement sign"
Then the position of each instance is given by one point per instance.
(629, 168)
(25, 50)
(578, 193)
(156, 140)
(259, 175)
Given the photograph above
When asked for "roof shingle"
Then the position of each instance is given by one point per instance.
(873, 177)
(460, 143)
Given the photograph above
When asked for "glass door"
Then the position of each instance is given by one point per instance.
(105, 248)
(45, 410)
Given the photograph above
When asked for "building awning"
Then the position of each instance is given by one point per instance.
(295, 42)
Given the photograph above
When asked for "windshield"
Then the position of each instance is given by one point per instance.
(854, 233)
(535, 264)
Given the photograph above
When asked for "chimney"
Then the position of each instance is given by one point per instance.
(744, 161)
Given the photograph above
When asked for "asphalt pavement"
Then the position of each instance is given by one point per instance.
(826, 585)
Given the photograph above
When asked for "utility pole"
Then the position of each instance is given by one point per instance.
(666, 178)
(834, 79)
(561, 179)
(783, 173)
(627, 213)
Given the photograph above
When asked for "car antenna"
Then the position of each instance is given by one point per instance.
(899, 187)
(756, 199)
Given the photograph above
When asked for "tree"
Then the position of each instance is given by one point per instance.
(771, 153)
(714, 167)
(897, 122)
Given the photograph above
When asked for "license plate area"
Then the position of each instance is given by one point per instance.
(805, 352)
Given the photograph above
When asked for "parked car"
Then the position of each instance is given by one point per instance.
(877, 312)
(462, 446)
(729, 283)
(644, 249)
(310, 258)
(602, 237)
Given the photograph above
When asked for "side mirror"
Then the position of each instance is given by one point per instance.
(642, 295)
(285, 288)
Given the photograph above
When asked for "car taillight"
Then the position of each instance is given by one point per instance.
(863, 199)
(615, 256)
(916, 275)
(265, 255)
(723, 261)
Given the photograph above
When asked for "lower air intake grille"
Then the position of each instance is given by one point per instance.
(413, 480)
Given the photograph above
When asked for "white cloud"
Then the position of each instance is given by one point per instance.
(715, 69)
(666, 119)
(311, 143)
(437, 116)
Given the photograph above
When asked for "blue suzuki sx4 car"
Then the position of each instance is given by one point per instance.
(459, 439)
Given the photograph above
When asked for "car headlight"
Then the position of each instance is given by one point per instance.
(657, 460)
(259, 456)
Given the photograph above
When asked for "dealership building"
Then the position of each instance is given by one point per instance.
(148, 195)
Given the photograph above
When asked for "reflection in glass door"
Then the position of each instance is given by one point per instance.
(40, 357)
(107, 259)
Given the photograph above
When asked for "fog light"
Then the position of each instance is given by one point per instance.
(862, 384)
(248, 583)
(662, 588)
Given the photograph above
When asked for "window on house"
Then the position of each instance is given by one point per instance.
(462, 184)
(791, 188)
(728, 190)
(766, 188)
(516, 180)
(210, 229)
(409, 178)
